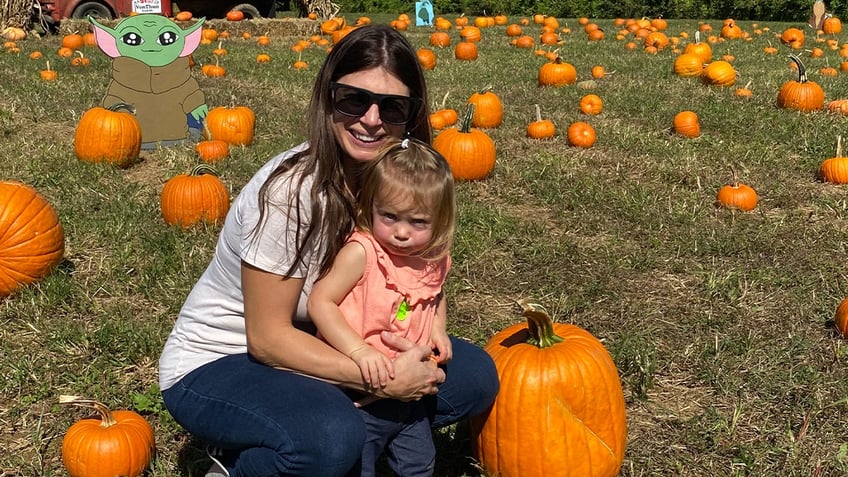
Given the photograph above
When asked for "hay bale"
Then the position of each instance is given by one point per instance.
(276, 27)
(15, 13)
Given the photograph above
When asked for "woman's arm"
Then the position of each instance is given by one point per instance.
(270, 303)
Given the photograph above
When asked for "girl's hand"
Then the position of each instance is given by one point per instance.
(376, 368)
(441, 343)
(415, 375)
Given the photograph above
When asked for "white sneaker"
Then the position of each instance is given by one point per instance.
(217, 469)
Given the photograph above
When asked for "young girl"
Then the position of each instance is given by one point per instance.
(389, 277)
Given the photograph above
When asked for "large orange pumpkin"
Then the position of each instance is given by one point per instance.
(32, 241)
(200, 196)
(110, 135)
(557, 73)
(488, 109)
(560, 411)
(234, 125)
(118, 443)
(803, 95)
(469, 151)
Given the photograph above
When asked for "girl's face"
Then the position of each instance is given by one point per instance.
(360, 137)
(401, 227)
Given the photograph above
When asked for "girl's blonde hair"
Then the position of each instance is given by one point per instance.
(410, 166)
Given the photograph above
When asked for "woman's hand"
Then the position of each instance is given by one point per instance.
(415, 374)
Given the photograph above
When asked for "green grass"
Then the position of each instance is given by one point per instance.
(719, 321)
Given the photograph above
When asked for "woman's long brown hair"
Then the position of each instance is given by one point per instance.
(364, 48)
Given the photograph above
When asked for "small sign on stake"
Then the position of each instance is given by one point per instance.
(423, 13)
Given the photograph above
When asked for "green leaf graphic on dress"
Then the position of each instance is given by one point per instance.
(403, 309)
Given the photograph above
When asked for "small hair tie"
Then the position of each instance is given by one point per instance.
(405, 143)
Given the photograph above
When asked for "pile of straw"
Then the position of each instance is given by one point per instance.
(15, 13)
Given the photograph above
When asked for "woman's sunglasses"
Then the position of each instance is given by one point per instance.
(354, 102)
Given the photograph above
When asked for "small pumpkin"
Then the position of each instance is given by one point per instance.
(214, 71)
(599, 72)
(235, 15)
(220, 51)
(72, 41)
(560, 381)
(32, 241)
(832, 25)
(686, 124)
(703, 50)
(427, 58)
(443, 117)
(118, 443)
(731, 31)
(835, 169)
(200, 196)
(488, 109)
(263, 58)
(471, 33)
(48, 74)
(541, 128)
(792, 37)
(581, 134)
(234, 125)
(14, 33)
(719, 73)
(212, 150)
(737, 196)
(802, 95)
(469, 151)
(465, 51)
(591, 104)
(744, 91)
(183, 16)
(110, 135)
(440, 39)
(688, 64)
(80, 60)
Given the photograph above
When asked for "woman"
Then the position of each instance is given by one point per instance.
(242, 368)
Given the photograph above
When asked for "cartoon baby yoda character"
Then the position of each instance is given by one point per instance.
(151, 72)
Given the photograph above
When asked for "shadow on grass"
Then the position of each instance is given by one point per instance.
(453, 455)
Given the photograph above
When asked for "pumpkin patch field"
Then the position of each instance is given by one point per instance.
(676, 190)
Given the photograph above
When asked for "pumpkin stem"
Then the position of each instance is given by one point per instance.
(106, 418)
(538, 112)
(444, 100)
(201, 169)
(838, 145)
(206, 130)
(539, 323)
(125, 106)
(802, 72)
(465, 124)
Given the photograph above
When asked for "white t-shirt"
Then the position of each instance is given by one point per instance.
(211, 322)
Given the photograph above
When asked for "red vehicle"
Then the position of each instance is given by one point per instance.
(53, 11)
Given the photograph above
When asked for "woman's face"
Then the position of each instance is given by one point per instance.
(361, 137)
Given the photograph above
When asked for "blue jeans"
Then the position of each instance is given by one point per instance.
(279, 423)
(401, 430)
